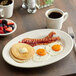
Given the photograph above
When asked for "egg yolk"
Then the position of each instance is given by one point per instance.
(41, 52)
(56, 47)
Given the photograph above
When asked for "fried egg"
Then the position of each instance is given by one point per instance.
(54, 48)
(40, 53)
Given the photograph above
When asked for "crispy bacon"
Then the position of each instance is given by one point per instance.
(33, 41)
(53, 39)
(46, 40)
(50, 35)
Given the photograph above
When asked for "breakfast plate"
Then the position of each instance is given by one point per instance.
(40, 33)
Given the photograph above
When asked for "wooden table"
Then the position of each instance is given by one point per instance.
(27, 22)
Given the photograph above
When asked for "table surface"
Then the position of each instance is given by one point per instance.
(27, 22)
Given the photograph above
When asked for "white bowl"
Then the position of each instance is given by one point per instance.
(13, 29)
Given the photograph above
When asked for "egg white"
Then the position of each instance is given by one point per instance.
(51, 51)
(37, 57)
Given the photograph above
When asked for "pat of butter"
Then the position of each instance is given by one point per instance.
(23, 50)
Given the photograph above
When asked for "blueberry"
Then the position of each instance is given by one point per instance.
(13, 27)
(4, 22)
(3, 25)
(5, 31)
(8, 26)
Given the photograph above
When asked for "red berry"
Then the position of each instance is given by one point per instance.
(9, 29)
(1, 32)
(5, 27)
(1, 28)
(0, 21)
(10, 23)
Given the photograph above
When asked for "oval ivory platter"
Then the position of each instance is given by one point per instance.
(66, 40)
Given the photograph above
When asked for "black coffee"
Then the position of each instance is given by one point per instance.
(5, 2)
(55, 15)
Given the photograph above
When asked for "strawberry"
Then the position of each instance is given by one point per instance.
(10, 23)
(1, 28)
(5, 27)
(0, 21)
(9, 29)
(1, 32)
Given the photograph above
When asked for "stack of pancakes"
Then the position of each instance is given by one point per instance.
(21, 57)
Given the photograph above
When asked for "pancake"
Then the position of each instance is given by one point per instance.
(17, 60)
(22, 56)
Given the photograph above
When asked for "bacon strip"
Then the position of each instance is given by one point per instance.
(33, 41)
(50, 35)
(46, 40)
(53, 39)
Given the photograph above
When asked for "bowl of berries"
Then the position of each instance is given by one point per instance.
(7, 27)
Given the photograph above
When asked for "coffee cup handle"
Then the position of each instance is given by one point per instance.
(1, 12)
(65, 16)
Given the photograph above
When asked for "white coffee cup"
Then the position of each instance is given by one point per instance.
(55, 23)
(6, 11)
